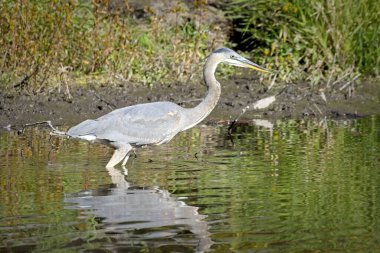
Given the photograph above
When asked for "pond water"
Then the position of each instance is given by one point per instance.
(285, 186)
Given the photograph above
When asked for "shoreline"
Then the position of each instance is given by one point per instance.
(295, 101)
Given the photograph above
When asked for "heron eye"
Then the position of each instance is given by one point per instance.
(232, 56)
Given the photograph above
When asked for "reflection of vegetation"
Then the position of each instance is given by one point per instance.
(47, 40)
(297, 187)
(318, 40)
(32, 190)
(300, 181)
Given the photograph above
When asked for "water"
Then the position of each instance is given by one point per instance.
(296, 186)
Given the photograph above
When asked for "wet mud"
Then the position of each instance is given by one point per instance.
(292, 101)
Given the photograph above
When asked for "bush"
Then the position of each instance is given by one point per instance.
(321, 41)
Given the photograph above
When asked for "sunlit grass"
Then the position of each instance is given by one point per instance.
(44, 43)
(320, 41)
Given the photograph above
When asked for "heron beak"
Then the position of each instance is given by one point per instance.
(248, 64)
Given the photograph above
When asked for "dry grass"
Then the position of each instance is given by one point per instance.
(46, 44)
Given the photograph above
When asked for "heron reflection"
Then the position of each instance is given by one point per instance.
(142, 213)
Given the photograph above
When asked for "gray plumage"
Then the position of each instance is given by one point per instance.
(156, 123)
(137, 124)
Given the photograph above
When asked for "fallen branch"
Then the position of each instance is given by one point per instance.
(54, 131)
(260, 104)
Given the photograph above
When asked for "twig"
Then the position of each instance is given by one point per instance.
(319, 110)
(272, 83)
(120, 77)
(64, 71)
(259, 104)
(311, 109)
(232, 124)
(54, 131)
(331, 73)
(349, 82)
(348, 72)
(323, 96)
(68, 92)
(25, 80)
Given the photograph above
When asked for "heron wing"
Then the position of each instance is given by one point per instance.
(141, 124)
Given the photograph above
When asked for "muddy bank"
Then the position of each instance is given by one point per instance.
(293, 101)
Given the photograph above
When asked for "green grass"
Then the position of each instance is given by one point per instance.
(320, 41)
(45, 44)
(49, 44)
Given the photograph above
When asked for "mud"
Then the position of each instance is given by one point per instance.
(292, 101)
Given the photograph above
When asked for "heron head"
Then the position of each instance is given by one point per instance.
(230, 57)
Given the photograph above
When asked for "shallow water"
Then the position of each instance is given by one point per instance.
(294, 186)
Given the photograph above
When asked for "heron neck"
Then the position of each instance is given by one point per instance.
(202, 110)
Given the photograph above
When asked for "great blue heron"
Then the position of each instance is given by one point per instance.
(158, 122)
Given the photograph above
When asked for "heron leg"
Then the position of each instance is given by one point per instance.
(119, 154)
(125, 160)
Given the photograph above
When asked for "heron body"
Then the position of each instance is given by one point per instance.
(156, 123)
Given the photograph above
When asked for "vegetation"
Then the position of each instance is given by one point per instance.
(44, 42)
(315, 40)
(48, 43)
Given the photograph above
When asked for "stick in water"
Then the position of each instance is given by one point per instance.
(260, 104)
(54, 131)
